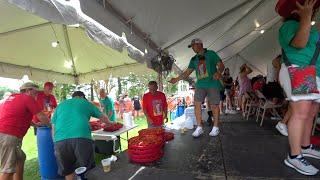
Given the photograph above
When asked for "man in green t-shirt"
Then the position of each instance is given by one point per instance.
(108, 105)
(73, 145)
(208, 67)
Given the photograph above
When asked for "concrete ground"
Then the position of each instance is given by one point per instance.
(243, 150)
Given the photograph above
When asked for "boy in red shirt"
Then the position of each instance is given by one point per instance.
(46, 101)
(155, 106)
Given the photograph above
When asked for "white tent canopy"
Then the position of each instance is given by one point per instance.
(230, 27)
(233, 28)
(26, 46)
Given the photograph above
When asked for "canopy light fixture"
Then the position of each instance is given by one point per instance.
(257, 24)
(74, 25)
(68, 64)
(262, 31)
(55, 44)
(313, 23)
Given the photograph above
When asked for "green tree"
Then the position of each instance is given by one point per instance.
(6, 89)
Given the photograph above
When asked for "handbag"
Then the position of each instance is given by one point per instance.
(303, 79)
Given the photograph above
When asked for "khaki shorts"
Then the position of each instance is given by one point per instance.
(212, 94)
(10, 153)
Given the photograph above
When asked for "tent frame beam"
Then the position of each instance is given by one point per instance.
(109, 68)
(32, 68)
(247, 34)
(129, 23)
(25, 28)
(237, 22)
(67, 40)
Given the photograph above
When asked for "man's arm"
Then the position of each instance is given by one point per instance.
(305, 12)
(248, 70)
(104, 118)
(165, 108)
(44, 120)
(220, 69)
(144, 107)
(52, 130)
(276, 63)
(186, 73)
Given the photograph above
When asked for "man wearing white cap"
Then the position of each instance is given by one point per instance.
(15, 118)
(208, 67)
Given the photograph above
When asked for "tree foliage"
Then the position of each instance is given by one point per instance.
(4, 90)
(137, 85)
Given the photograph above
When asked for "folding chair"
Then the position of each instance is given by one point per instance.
(315, 124)
(251, 105)
(263, 105)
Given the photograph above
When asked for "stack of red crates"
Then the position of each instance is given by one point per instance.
(148, 146)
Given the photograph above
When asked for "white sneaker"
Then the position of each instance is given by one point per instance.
(232, 112)
(198, 132)
(227, 111)
(215, 131)
(282, 128)
(311, 152)
(301, 165)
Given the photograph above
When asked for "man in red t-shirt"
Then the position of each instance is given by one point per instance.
(15, 118)
(46, 101)
(155, 106)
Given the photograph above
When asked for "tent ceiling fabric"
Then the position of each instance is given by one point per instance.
(230, 27)
(25, 47)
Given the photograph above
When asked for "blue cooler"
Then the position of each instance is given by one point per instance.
(47, 160)
(180, 111)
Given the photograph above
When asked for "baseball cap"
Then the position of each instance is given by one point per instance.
(195, 41)
(29, 85)
(285, 7)
(79, 93)
(48, 84)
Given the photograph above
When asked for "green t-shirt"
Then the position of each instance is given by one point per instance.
(300, 57)
(206, 69)
(71, 119)
(107, 107)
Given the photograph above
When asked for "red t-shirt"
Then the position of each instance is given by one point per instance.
(258, 85)
(155, 106)
(47, 103)
(16, 113)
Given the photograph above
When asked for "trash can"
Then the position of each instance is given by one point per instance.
(47, 160)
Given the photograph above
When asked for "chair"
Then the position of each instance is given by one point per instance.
(251, 104)
(263, 105)
(315, 123)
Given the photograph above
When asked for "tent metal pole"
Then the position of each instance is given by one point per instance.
(67, 40)
(25, 28)
(160, 82)
(209, 23)
(91, 90)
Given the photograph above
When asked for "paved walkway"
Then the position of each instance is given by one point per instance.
(243, 150)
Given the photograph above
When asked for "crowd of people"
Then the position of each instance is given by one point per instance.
(293, 77)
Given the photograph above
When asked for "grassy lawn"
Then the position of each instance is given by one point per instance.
(30, 148)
